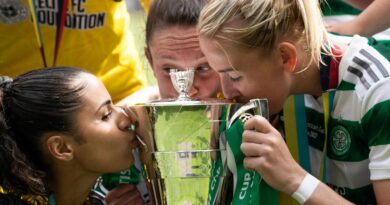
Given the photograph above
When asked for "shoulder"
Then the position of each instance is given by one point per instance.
(364, 74)
(363, 66)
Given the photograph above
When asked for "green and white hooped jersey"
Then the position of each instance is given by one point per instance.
(358, 147)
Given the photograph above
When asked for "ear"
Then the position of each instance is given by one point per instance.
(288, 53)
(60, 147)
(148, 56)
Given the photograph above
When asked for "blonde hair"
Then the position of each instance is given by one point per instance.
(259, 24)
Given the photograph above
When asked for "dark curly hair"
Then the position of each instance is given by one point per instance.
(31, 105)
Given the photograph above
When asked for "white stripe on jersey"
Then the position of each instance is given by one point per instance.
(348, 106)
(351, 175)
(379, 162)
(380, 92)
(313, 103)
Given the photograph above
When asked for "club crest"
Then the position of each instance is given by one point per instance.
(340, 140)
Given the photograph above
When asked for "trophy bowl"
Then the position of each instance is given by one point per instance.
(185, 162)
(186, 158)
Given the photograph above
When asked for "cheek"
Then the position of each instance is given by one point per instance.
(273, 95)
(166, 88)
(106, 155)
(205, 81)
(208, 85)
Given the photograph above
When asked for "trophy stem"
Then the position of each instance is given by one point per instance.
(183, 97)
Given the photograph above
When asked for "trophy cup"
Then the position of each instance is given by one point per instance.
(182, 81)
(186, 158)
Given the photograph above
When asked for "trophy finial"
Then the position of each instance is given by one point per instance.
(182, 82)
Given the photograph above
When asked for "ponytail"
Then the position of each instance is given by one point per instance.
(256, 24)
(17, 175)
(316, 35)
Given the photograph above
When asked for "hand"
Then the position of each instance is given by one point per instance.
(346, 28)
(267, 153)
(142, 95)
(124, 194)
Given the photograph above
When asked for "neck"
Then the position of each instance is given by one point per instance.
(70, 186)
(308, 81)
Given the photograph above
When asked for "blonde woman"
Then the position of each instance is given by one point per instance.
(278, 48)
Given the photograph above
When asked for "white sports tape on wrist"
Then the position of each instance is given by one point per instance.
(305, 189)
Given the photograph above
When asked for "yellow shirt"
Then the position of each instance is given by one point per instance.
(145, 4)
(96, 37)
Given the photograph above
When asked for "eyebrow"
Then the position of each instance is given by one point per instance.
(225, 70)
(106, 102)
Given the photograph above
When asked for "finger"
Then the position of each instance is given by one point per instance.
(254, 150)
(253, 163)
(130, 113)
(250, 149)
(253, 136)
(258, 123)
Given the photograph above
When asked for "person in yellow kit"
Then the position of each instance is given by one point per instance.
(92, 34)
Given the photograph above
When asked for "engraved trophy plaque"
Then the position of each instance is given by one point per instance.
(186, 161)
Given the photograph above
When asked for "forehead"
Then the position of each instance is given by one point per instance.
(94, 92)
(216, 54)
(175, 43)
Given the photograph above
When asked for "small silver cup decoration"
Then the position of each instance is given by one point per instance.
(182, 82)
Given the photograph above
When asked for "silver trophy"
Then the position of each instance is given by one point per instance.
(182, 81)
(186, 158)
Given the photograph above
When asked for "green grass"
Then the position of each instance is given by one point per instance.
(137, 26)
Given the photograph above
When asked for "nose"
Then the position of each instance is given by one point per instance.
(194, 88)
(228, 89)
(123, 120)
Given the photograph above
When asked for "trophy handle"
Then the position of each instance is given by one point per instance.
(258, 107)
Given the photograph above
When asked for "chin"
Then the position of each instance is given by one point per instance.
(125, 166)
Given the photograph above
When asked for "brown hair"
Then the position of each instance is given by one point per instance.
(35, 103)
(165, 13)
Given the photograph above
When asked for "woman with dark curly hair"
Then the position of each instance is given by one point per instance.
(59, 131)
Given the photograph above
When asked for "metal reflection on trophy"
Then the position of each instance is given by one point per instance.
(186, 163)
(182, 82)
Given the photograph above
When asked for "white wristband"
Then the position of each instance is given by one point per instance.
(305, 189)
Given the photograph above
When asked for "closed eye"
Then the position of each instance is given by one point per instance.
(107, 116)
(235, 79)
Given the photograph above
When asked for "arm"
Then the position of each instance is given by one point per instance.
(143, 95)
(382, 191)
(359, 4)
(375, 18)
(267, 153)
(324, 195)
